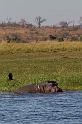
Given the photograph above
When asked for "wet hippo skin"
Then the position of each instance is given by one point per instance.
(42, 87)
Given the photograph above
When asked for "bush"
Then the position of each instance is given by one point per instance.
(13, 37)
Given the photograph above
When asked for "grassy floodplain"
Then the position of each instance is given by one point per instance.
(36, 62)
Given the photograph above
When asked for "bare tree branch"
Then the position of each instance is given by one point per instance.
(39, 20)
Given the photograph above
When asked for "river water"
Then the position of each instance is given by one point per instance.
(61, 108)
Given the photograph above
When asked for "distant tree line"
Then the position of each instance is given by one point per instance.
(39, 21)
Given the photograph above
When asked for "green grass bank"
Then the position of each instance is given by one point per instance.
(36, 62)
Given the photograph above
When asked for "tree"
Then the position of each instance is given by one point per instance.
(81, 21)
(39, 20)
(65, 24)
(23, 22)
(9, 20)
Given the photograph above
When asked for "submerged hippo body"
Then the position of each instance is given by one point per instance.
(43, 87)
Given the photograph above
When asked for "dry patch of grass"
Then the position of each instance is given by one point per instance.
(40, 46)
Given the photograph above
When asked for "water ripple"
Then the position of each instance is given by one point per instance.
(64, 108)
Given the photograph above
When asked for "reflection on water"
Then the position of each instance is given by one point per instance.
(64, 108)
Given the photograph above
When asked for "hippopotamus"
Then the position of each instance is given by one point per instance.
(42, 87)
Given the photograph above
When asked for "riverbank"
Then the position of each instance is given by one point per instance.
(37, 62)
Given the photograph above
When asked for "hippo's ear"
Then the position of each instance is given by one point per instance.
(54, 84)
